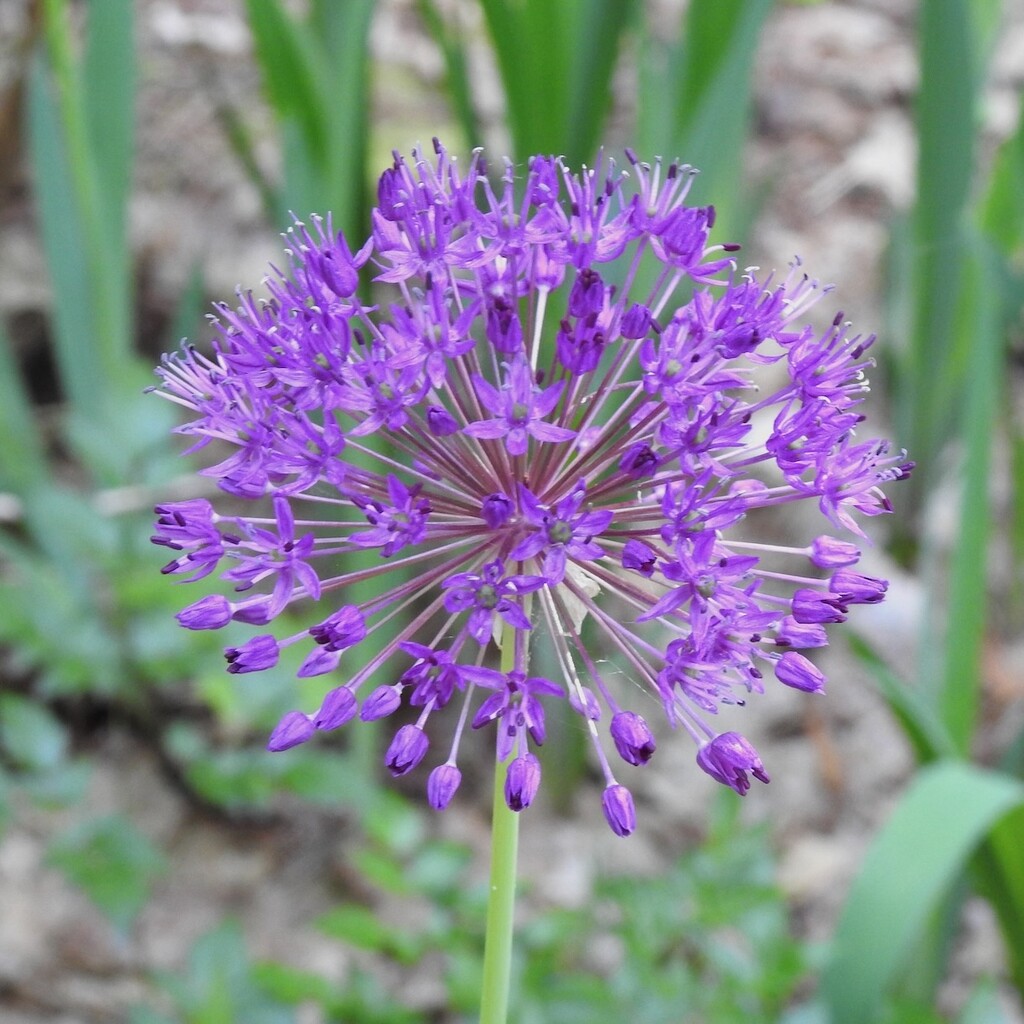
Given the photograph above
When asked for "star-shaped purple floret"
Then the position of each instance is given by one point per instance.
(522, 409)
(489, 591)
(562, 532)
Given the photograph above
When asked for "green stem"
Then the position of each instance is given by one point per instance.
(501, 898)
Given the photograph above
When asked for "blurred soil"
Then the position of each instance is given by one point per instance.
(834, 144)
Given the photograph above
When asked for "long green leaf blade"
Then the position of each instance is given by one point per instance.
(979, 322)
(946, 134)
(109, 96)
(922, 850)
(63, 235)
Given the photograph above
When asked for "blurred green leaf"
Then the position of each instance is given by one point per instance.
(951, 52)
(556, 63)
(82, 371)
(915, 712)
(22, 457)
(920, 853)
(30, 735)
(82, 215)
(1001, 211)
(108, 96)
(361, 927)
(288, 60)
(113, 862)
(959, 676)
(458, 86)
(220, 986)
(707, 72)
(315, 72)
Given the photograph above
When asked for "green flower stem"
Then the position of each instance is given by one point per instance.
(501, 898)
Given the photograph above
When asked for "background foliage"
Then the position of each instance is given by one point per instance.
(91, 647)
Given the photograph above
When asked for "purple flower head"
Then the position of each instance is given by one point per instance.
(496, 510)
(398, 521)
(515, 705)
(341, 629)
(539, 457)
(433, 677)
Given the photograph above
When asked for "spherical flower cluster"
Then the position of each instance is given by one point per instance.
(535, 444)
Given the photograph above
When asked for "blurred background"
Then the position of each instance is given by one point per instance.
(158, 866)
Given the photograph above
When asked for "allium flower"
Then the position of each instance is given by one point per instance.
(529, 439)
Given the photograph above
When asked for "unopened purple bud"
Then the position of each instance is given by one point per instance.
(338, 706)
(441, 422)
(619, 811)
(389, 194)
(441, 786)
(254, 613)
(853, 588)
(728, 758)
(344, 628)
(211, 612)
(318, 662)
(636, 322)
(795, 670)
(636, 555)
(293, 729)
(829, 553)
(632, 738)
(255, 655)
(811, 606)
(496, 510)
(407, 749)
(586, 297)
(791, 633)
(583, 701)
(522, 780)
(381, 703)
(639, 461)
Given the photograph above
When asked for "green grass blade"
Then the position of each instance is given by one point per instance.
(958, 674)
(946, 134)
(64, 241)
(315, 73)
(288, 61)
(344, 31)
(914, 712)
(556, 63)
(708, 74)
(83, 237)
(1001, 219)
(921, 852)
(598, 32)
(108, 74)
(457, 84)
(1000, 875)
